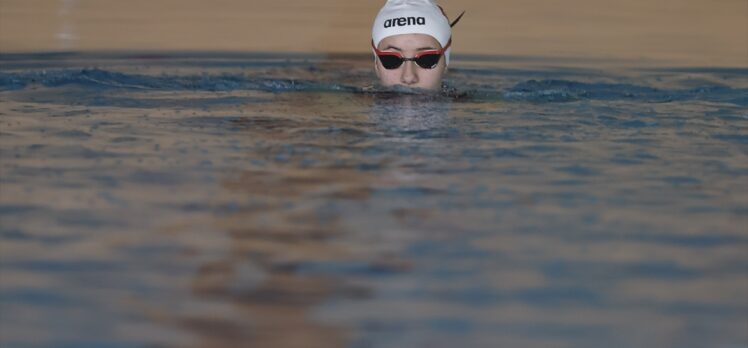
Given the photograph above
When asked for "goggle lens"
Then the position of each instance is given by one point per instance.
(428, 61)
(390, 62)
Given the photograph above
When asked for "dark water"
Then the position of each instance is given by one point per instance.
(258, 200)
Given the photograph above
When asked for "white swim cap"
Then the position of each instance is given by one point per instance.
(412, 17)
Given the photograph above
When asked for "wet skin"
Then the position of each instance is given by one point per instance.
(410, 74)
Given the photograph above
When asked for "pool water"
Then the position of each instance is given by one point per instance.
(267, 200)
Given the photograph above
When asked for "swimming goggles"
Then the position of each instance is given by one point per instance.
(425, 59)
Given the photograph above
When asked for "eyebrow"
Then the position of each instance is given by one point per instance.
(390, 47)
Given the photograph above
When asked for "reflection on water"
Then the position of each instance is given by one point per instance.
(410, 112)
(255, 200)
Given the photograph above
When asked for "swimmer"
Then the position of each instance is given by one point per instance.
(411, 41)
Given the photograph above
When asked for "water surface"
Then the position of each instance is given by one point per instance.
(268, 200)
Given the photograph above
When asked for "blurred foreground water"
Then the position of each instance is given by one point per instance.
(259, 200)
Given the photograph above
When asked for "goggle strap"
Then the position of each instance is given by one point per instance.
(457, 19)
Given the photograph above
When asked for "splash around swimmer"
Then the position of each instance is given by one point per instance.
(411, 42)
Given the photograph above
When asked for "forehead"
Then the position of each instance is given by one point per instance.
(409, 42)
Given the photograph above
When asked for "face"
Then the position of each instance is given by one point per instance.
(409, 73)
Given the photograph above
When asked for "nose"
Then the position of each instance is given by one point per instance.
(409, 75)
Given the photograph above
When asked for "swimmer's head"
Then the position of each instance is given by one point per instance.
(411, 39)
